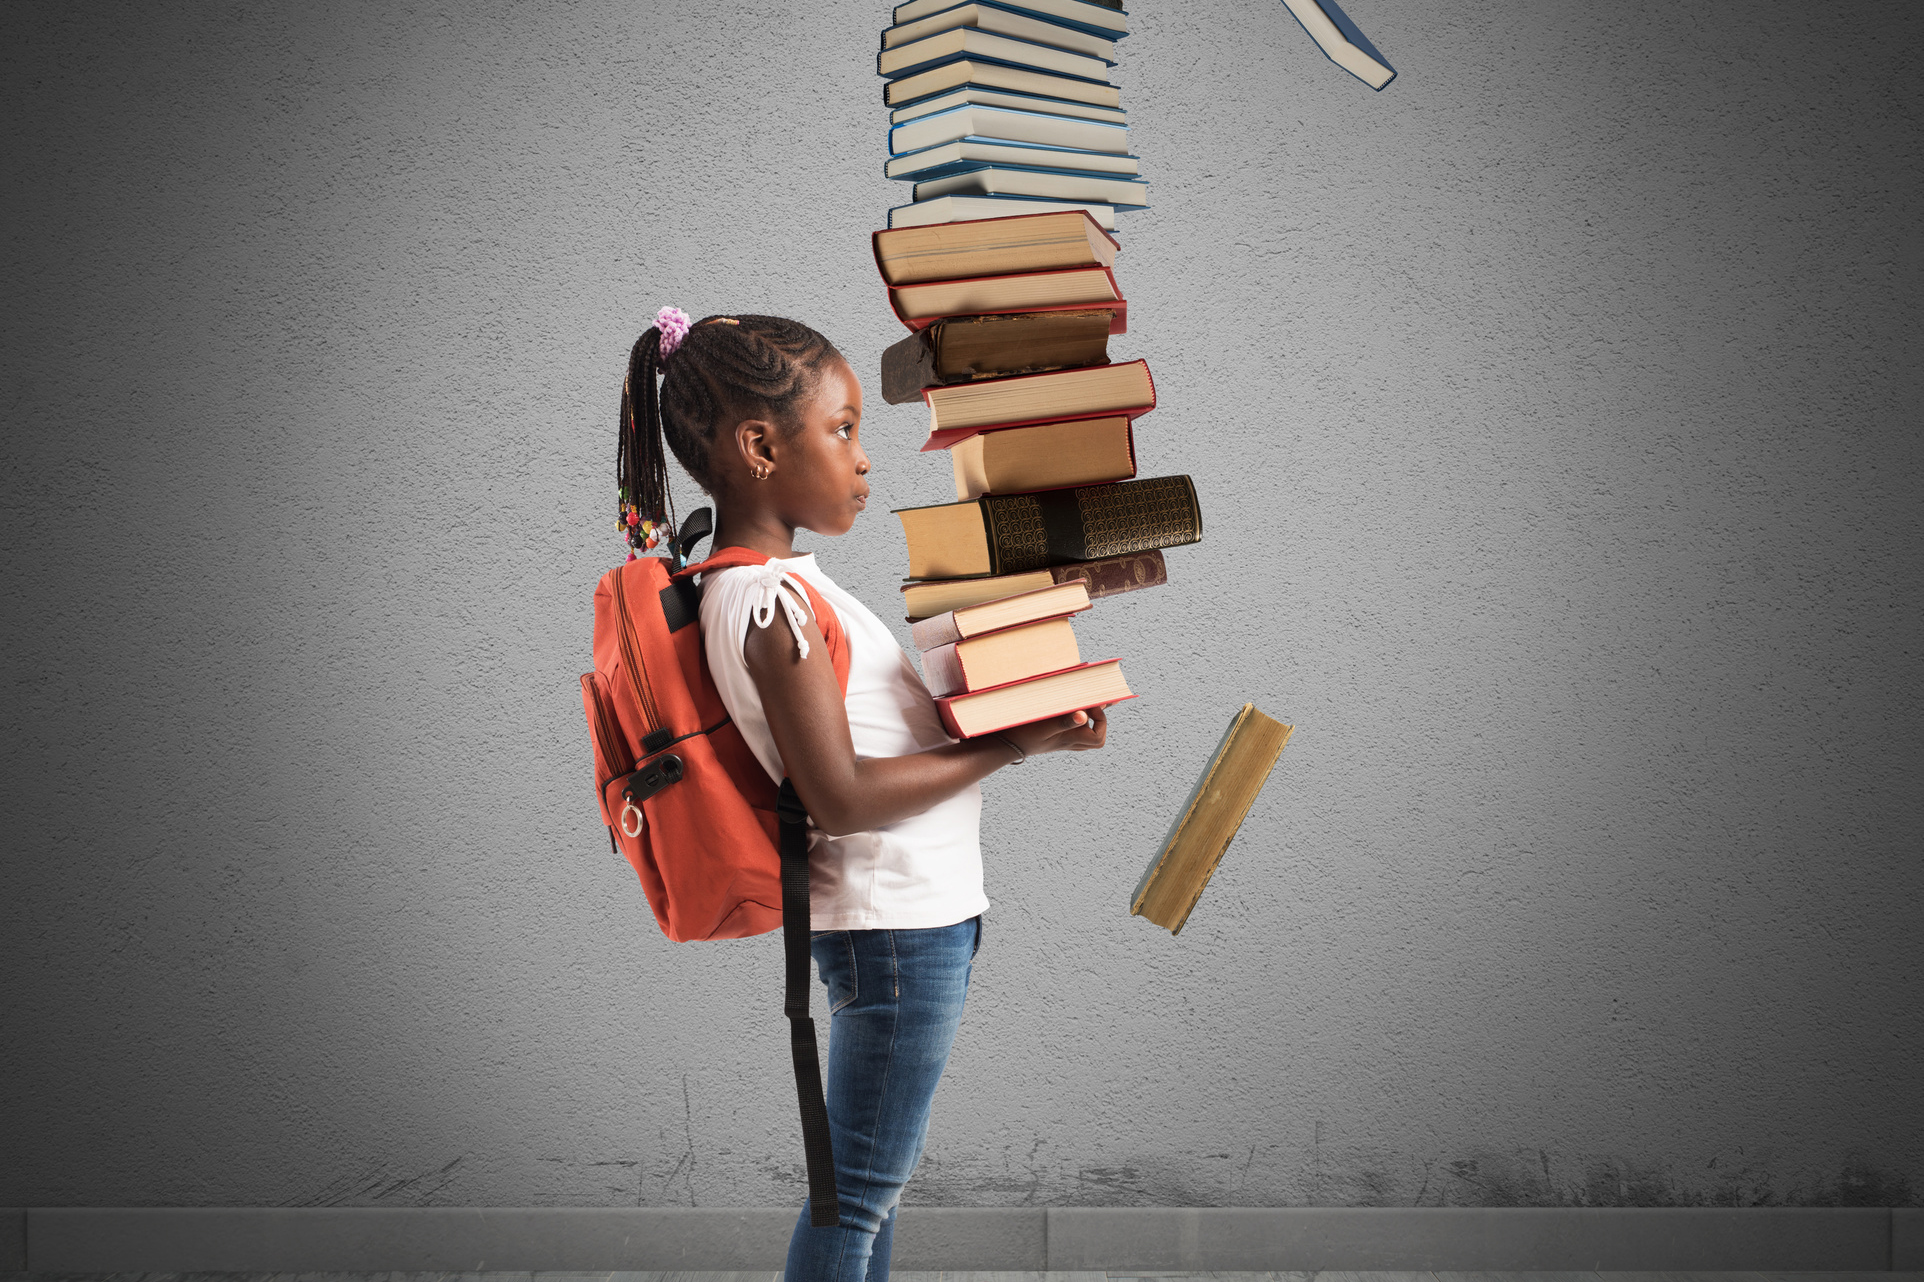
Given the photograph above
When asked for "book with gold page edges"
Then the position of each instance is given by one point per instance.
(1175, 878)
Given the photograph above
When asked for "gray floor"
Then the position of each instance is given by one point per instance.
(906, 1276)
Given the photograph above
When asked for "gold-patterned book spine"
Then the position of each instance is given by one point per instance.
(1034, 531)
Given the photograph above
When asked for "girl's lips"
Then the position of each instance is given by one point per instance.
(861, 501)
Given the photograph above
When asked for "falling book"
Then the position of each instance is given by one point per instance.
(1092, 685)
(966, 348)
(995, 75)
(1108, 576)
(1050, 456)
(1020, 242)
(1003, 22)
(1215, 810)
(965, 154)
(998, 658)
(1034, 126)
(972, 44)
(1340, 39)
(961, 410)
(949, 209)
(1097, 15)
(1009, 533)
(1079, 288)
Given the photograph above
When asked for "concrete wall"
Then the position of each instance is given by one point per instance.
(1555, 414)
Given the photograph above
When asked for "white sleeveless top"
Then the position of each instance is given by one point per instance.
(922, 871)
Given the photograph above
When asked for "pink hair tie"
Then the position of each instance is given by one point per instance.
(673, 323)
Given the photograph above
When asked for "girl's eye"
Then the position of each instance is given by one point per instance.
(843, 431)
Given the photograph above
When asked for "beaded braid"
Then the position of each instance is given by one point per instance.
(725, 369)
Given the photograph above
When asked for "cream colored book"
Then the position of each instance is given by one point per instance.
(1202, 832)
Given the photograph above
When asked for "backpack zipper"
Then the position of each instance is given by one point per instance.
(614, 748)
(631, 658)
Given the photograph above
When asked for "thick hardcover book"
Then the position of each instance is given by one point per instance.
(974, 45)
(996, 75)
(1018, 242)
(960, 411)
(1035, 128)
(1075, 289)
(963, 349)
(983, 96)
(964, 154)
(957, 209)
(1049, 456)
(1092, 685)
(986, 179)
(997, 658)
(1010, 533)
(1098, 15)
(1055, 601)
(1341, 41)
(1207, 823)
(1109, 576)
(986, 15)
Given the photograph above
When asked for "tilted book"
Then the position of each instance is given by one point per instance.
(1076, 288)
(962, 155)
(960, 411)
(1204, 827)
(999, 658)
(995, 75)
(973, 44)
(1341, 41)
(983, 96)
(1054, 601)
(963, 349)
(1009, 533)
(1018, 243)
(985, 15)
(1091, 685)
(951, 209)
(1034, 126)
(1109, 576)
(983, 178)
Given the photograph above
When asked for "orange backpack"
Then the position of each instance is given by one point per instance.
(722, 852)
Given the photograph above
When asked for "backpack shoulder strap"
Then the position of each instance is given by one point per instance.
(826, 619)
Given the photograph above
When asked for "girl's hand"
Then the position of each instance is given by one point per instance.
(1074, 732)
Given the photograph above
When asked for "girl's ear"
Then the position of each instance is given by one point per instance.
(754, 442)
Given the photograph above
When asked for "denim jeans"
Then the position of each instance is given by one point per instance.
(894, 998)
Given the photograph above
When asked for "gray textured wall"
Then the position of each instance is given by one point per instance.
(1556, 416)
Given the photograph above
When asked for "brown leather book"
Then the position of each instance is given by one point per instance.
(962, 349)
(1048, 456)
(1204, 828)
(993, 247)
(1108, 576)
(1010, 533)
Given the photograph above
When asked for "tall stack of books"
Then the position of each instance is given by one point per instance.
(1003, 107)
(1010, 320)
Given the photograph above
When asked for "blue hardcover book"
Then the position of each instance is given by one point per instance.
(986, 96)
(1341, 41)
(1034, 15)
(1098, 19)
(985, 178)
(963, 154)
(1033, 127)
(973, 44)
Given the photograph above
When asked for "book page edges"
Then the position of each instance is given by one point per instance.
(1195, 894)
(1169, 841)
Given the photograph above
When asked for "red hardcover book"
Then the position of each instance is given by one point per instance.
(961, 410)
(1071, 289)
(1087, 685)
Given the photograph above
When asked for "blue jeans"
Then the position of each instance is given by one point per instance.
(894, 998)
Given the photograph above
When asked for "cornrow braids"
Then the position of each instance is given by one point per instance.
(727, 368)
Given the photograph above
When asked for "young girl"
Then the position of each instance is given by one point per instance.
(766, 416)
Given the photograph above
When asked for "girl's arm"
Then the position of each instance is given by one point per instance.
(806, 714)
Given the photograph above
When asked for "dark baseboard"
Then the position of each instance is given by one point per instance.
(1061, 1239)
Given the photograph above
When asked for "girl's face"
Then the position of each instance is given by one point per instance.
(819, 479)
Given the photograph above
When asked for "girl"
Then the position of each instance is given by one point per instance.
(765, 415)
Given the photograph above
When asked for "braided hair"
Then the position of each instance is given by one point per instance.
(726, 368)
